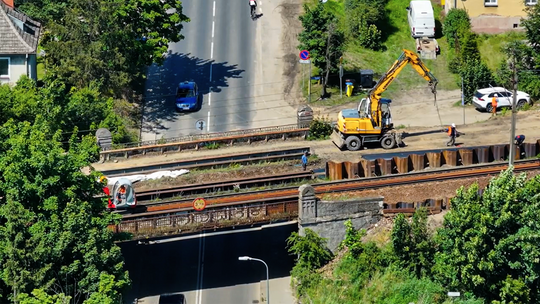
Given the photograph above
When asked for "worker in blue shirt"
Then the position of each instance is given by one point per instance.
(519, 140)
(304, 160)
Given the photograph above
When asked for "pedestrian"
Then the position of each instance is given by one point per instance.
(494, 105)
(519, 140)
(452, 134)
(304, 160)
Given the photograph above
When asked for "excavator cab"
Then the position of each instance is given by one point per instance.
(386, 114)
(124, 194)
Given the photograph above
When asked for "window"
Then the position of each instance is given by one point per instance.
(4, 67)
(531, 2)
(183, 93)
(492, 2)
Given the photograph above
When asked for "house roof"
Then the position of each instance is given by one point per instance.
(18, 33)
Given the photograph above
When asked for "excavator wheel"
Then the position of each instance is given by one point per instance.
(388, 142)
(353, 143)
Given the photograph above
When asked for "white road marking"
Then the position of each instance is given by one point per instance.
(210, 98)
(213, 24)
(208, 123)
(212, 50)
(214, 10)
(200, 268)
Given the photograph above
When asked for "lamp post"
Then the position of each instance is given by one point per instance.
(246, 258)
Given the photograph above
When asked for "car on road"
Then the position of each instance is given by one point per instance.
(187, 97)
(172, 299)
(482, 98)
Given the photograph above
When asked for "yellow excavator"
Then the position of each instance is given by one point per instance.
(372, 121)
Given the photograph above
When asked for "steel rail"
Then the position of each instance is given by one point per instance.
(211, 161)
(145, 197)
(359, 184)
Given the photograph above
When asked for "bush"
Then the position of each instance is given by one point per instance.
(319, 129)
(362, 19)
(455, 24)
(370, 37)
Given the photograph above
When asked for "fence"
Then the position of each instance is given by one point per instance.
(199, 141)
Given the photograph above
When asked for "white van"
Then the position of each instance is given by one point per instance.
(421, 19)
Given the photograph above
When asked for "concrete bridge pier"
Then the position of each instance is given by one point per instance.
(327, 218)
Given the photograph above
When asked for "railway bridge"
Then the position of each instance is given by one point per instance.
(314, 205)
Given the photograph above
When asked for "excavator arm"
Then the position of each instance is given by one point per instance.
(383, 83)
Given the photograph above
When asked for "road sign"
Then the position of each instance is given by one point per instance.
(305, 61)
(199, 204)
(304, 55)
(200, 124)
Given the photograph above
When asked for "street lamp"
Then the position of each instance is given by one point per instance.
(246, 258)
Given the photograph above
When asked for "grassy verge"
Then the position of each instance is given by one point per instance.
(491, 47)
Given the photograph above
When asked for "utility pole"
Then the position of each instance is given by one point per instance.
(514, 100)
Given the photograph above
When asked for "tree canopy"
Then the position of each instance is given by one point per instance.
(54, 236)
(110, 43)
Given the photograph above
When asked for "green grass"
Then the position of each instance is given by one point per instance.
(491, 47)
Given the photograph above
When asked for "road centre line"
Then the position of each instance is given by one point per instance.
(213, 23)
(214, 10)
(210, 97)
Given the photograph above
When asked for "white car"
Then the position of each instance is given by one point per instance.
(482, 98)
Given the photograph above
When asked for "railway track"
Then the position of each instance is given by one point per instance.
(342, 186)
(149, 197)
(220, 161)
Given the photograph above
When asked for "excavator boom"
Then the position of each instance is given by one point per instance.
(383, 83)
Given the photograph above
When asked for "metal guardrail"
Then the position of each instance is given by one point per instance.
(219, 161)
(192, 220)
(177, 144)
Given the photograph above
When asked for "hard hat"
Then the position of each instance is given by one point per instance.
(453, 125)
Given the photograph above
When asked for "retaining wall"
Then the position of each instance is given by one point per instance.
(327, 218)
(404, 162)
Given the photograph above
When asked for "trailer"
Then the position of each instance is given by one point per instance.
(427, 48)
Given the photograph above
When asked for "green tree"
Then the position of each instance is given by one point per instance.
(488, 244)
(456, 24)
(312, 254)
(475, 74)
(54, 232)
(401, 239)
(322, 38)
(412, 244)
(111, 43)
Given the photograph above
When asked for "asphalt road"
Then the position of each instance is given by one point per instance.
(205, 267)
(218, 53)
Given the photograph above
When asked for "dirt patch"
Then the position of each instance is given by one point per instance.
(290, 10)
(418, 192)
(226, 174)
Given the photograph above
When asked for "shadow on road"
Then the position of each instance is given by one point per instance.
(163, 80)
(182, 266)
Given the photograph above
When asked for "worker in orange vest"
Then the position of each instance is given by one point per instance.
(452, 134)
(494, 105)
